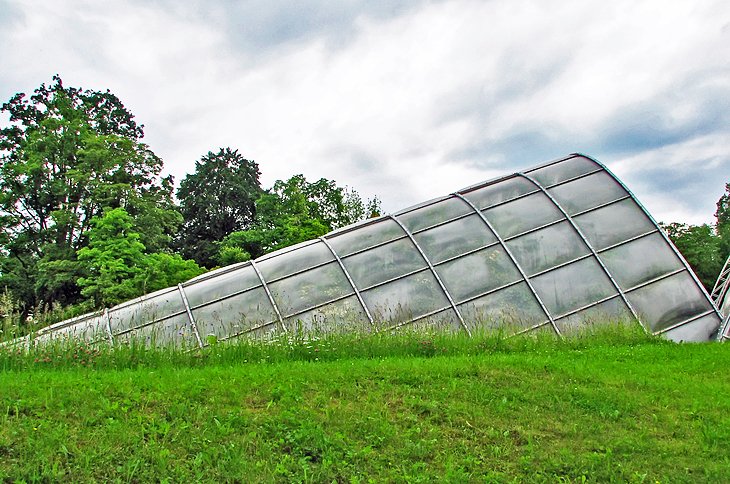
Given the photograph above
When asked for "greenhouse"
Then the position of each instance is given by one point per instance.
(549, 249)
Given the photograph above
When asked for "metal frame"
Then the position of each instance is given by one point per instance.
(191, 318)
(435, 274)
(664, 235)
(721, 285)
(108, 326)
(430, 266)
(271, 298)
(514, 261)
(590, 248)
(349, 279)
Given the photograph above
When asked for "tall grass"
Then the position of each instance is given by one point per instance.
(69, 353)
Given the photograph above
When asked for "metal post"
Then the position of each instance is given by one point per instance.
(268, 294)
(349, 279)
(435, 274)
(191, 318)
(514, 261)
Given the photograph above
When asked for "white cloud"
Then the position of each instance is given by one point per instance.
(411, 102)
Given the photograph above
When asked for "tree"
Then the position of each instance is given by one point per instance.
(295, 211)
(216, 200)
(118, 267)
(115, 259)
(66, 155)
(701, 248)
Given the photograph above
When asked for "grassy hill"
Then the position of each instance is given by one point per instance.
(407, 408)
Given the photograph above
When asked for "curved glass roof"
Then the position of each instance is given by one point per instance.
(551, 248)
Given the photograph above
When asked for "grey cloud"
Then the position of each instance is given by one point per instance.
(261, 26)
(650, 124)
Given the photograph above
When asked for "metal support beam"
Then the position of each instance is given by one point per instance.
(435, 274)
(514, 261)
(349, 279)
(590, 247)
(191, 318)
(268, 294)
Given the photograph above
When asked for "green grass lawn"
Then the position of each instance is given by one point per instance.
(404, 408)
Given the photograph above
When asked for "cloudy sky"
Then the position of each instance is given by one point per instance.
(406, 100)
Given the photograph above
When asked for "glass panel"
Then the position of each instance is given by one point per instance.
(174, 331)
(613, 224)
(365, 237)
(89, 329)
(669, 301)
(500, 192)
(547, 247)
(433, 214)
(703, 329)
(573, 286)
(564, 170)
(310, 288)
(295, 261)
(524, 214)
(383, 263)
(511, 309)
(586, 193)
(233, 315)
(608, 313)
(344, 316)
(442, 321)
(405, 299)
(640, 261)
(477, 273)
(546, 330)
(455, 238)
(126, 317)
(222, 285)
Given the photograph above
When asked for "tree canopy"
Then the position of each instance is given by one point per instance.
(67, 155)
(216, 200)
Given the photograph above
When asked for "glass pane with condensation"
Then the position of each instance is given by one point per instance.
(308, 289)
(641, 260)
(500, 192)
(434, 214)
(587, 192)
(477, 273)
(156, 307)
(222, 285)
(547, 248)
(563, 170)
(670, 301)
(573, 286)
(235, 314)
(294, 261)
(382, 263)
(699, 330)
(613, 312)
(343, 316)
(175, 332)
(510, 309)
(614, 223)
(523, 214)
(365, 237)
(454, 238)
(406, 298)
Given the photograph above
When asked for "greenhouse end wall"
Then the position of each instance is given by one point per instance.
(552, 248)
